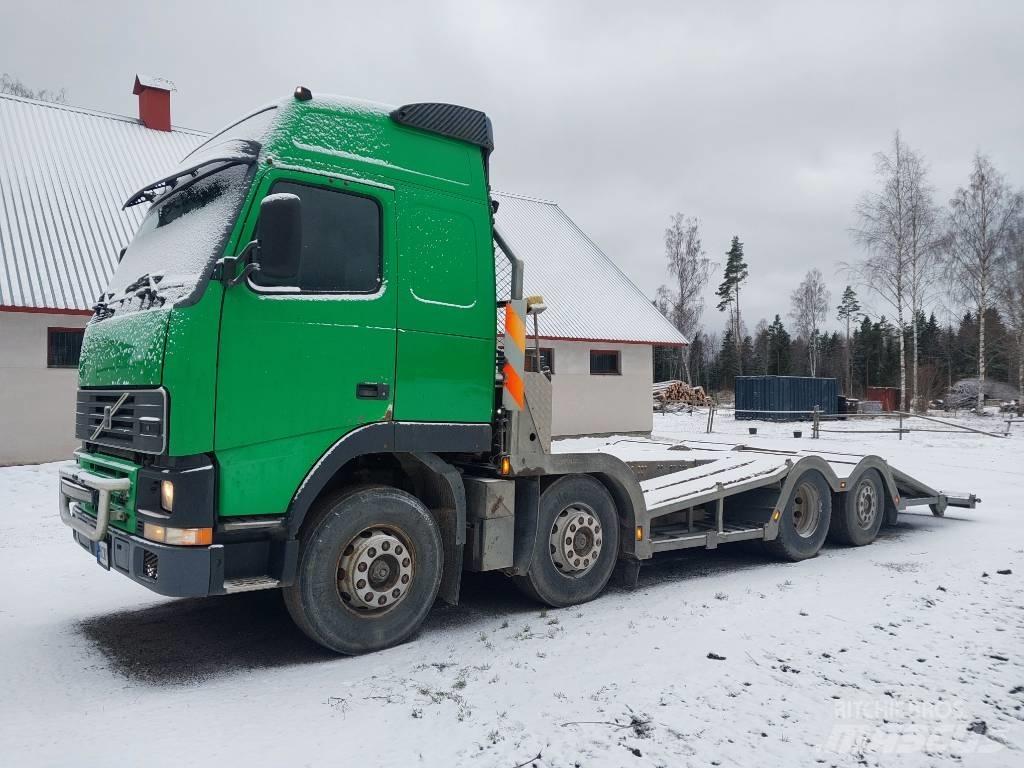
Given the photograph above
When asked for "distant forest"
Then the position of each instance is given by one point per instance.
(921, 261)
(947, 355)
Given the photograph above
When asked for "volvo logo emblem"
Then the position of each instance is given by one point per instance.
(108, 416)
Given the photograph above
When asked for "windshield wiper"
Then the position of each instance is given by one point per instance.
(144, 288)
(184, 178)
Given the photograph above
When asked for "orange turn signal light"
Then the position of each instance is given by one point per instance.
(182, 537)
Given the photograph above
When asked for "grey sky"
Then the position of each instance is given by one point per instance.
(760, 118)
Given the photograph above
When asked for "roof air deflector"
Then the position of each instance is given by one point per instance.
(451, 120)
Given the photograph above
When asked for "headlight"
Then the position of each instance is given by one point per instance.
(167, 495)
(184, 537)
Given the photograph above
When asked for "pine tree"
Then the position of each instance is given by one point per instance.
(747, 354)
(847, 309)
(729, 292)
(778, 348)
(728, 362)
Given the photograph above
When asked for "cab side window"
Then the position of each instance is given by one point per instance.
(341, 242)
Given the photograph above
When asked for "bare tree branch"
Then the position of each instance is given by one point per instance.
(810, 306)
(982, 216)
(688, 264)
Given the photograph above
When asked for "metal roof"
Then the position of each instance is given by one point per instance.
(588, 297)
(64, 173)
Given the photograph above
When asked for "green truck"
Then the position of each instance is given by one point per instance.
(302, 377)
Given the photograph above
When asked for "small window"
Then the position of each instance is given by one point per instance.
(63, 347)
(605, 362)
(341, 243)
(547, 359)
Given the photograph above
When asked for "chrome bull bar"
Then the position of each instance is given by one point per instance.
(78, 486)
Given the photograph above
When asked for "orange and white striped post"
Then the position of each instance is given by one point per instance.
(513, 394)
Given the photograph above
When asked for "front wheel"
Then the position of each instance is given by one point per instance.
(577, 543)
(369, 570)
(805, 518)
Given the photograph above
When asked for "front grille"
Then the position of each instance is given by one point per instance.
(139, 423)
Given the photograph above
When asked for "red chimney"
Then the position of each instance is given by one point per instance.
(154, 101)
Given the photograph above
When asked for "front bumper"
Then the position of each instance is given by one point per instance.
(165, 569)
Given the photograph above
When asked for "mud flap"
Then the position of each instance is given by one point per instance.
(441, 488)
(451, 572)
(527, 512)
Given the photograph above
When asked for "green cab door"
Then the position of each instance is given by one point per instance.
(303, 363)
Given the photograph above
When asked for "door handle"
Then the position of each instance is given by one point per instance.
(368, 390)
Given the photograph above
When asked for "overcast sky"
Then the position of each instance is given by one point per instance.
(759, 118)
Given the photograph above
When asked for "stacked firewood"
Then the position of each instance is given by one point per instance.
(671, 395)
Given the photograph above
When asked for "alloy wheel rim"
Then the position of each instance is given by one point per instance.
(576, 540)
(375, 570)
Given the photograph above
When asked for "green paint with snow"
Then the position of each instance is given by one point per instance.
(266, 382)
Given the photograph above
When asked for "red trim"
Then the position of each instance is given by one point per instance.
(46, 310)
(616, 341)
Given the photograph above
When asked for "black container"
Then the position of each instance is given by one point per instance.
(784, 398)
(752, 430)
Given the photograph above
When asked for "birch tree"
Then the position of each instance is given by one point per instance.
(1011, 298)
(981, 217)
(883, 230)
(683, 304)
(810, 304)
(924, 243)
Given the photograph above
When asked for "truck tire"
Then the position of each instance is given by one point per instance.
(577, 543)
(857, 514)
(369, 570)
(805, 519)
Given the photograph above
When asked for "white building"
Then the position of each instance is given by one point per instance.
(599, 331)
(64, 173)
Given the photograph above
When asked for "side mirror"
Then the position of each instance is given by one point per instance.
(280, 236)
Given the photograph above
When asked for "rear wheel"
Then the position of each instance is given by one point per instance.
(369, 570)
(860, 511)
(577, 543)
(805, 519)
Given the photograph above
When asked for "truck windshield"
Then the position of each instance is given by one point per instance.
(177, 242)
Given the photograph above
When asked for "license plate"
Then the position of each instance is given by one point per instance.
(102, 549)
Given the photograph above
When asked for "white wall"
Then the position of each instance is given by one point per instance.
(37, 404)
(585, 404)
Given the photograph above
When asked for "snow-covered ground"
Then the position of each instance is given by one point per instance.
(910, 650)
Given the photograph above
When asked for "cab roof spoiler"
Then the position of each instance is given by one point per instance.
(451, 120)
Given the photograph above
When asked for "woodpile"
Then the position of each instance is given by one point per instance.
(673, 395)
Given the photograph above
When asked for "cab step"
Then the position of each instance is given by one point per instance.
(250, 584)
